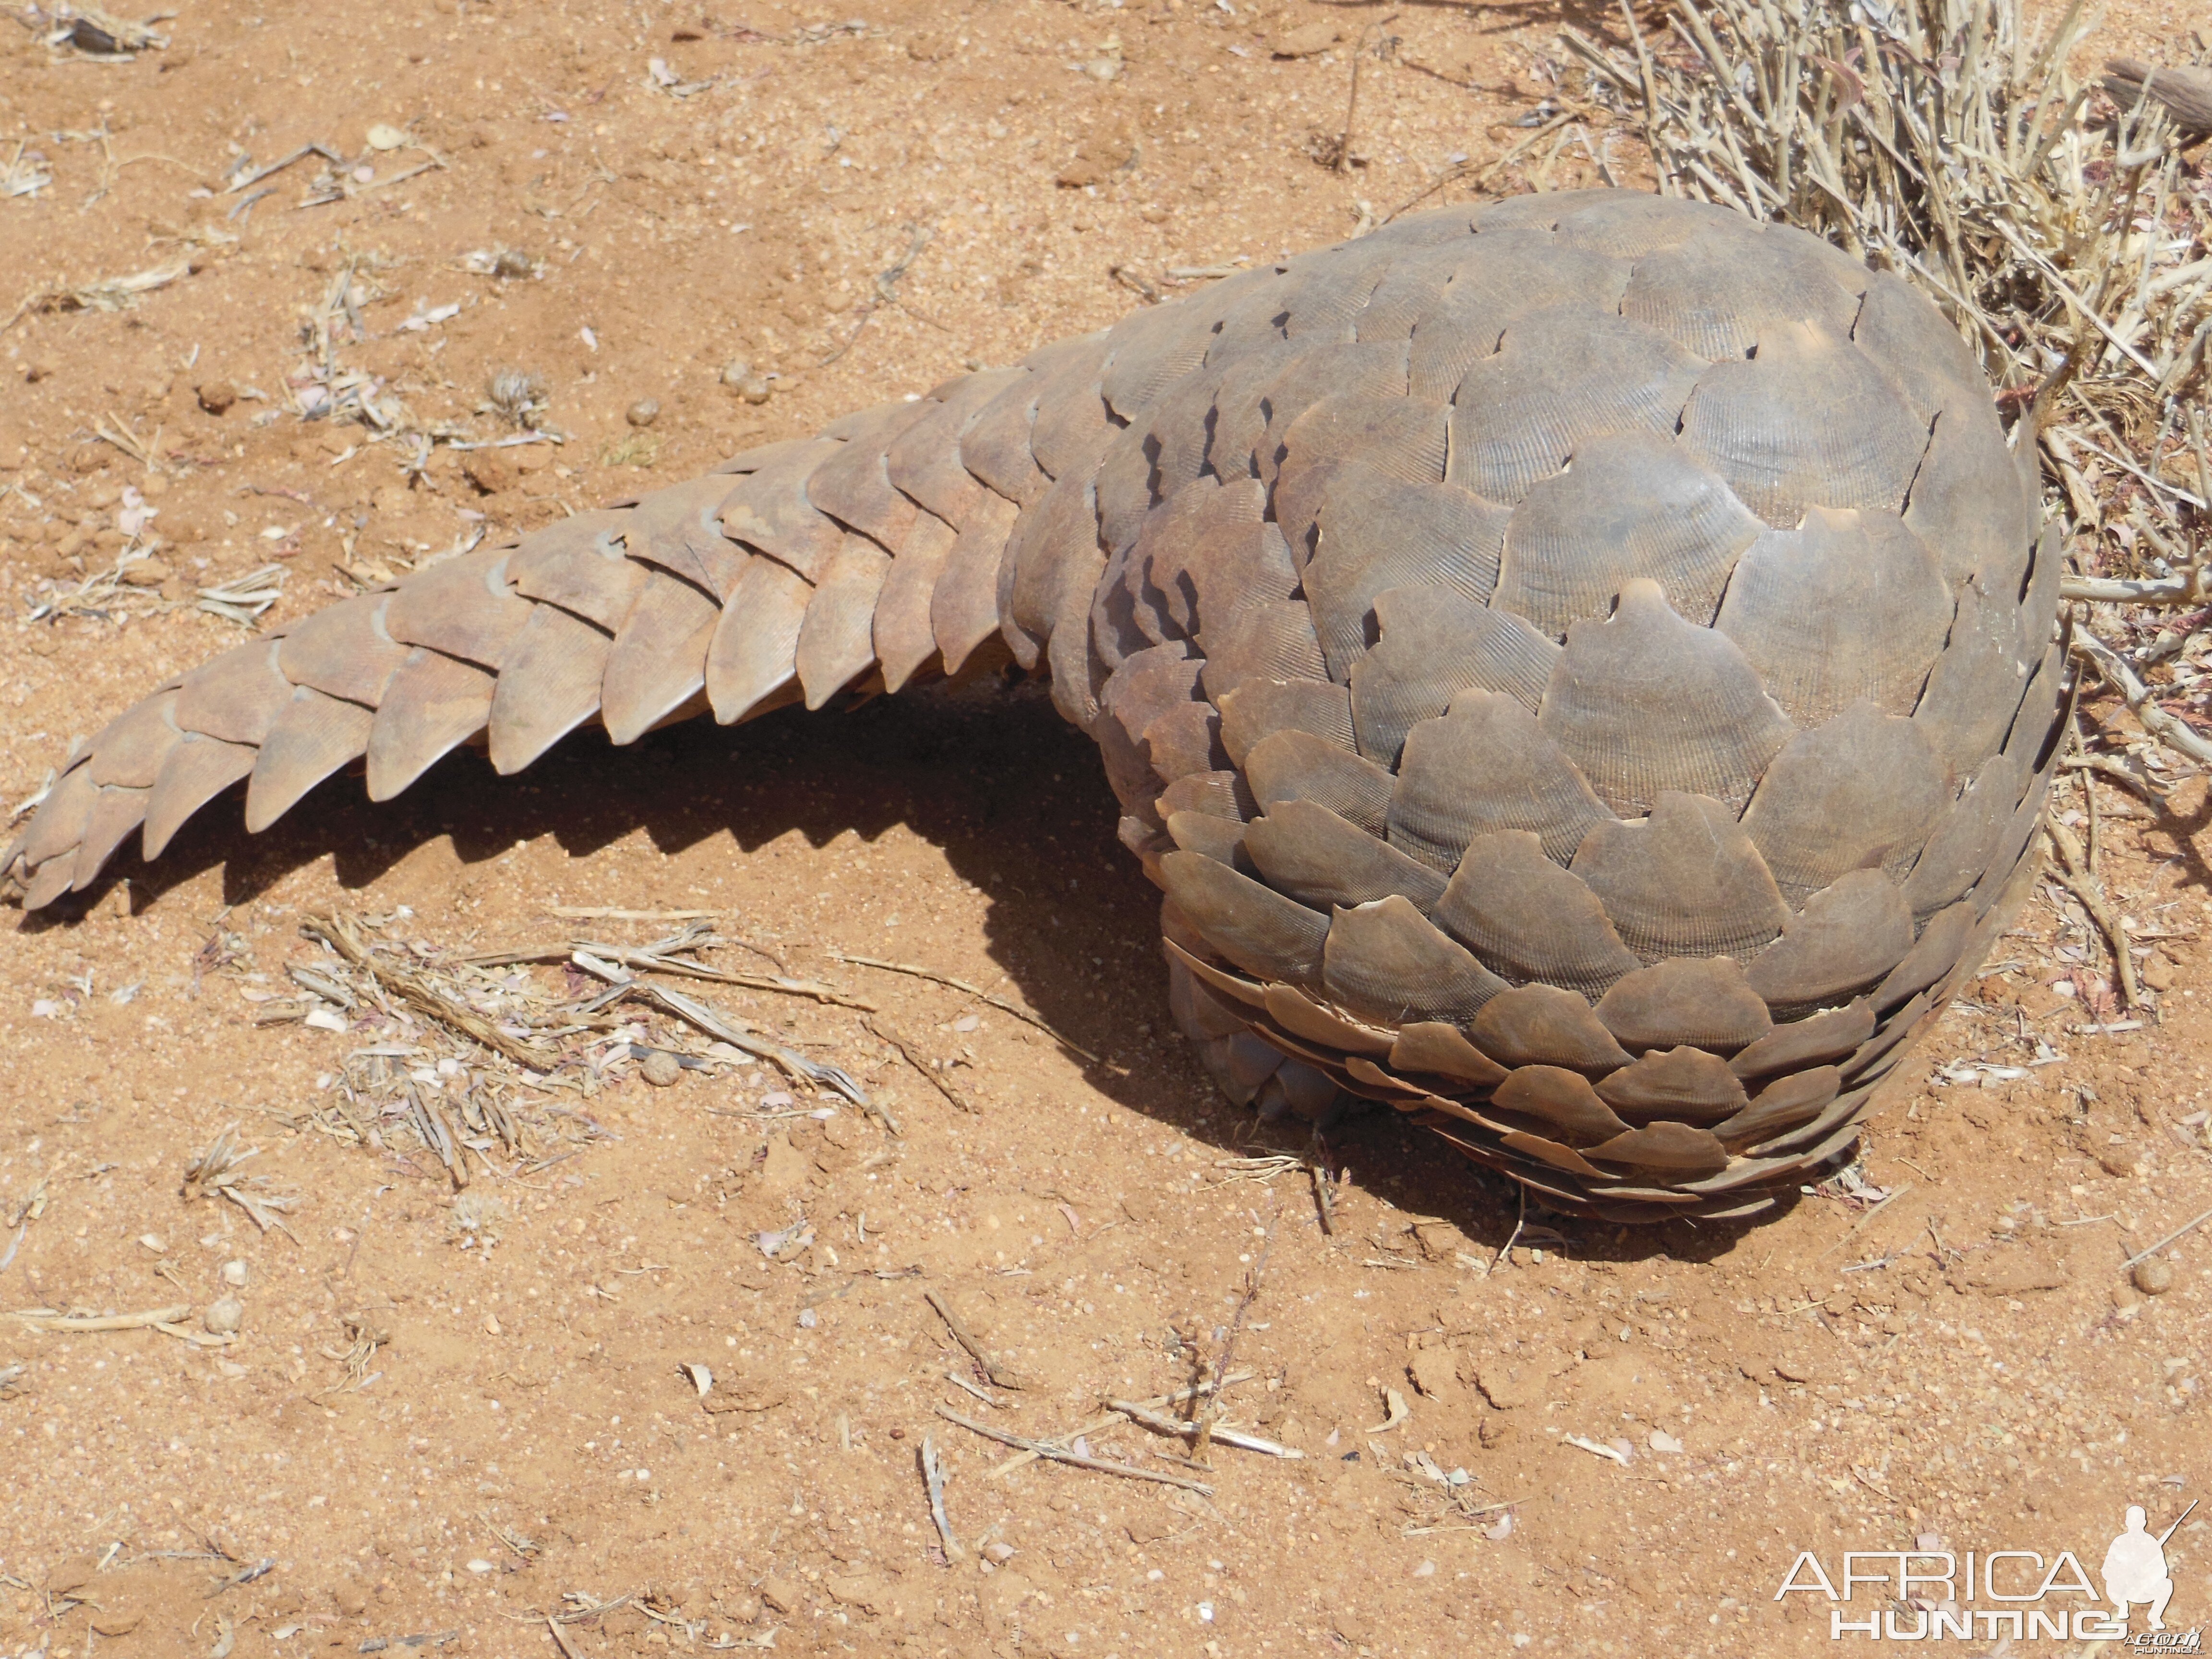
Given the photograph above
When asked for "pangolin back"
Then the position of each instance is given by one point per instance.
(1581, 669)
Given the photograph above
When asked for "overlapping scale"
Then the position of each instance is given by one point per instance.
(1298, 766)
(314, 736)
(1255, 927)
(195, 772)
(1527, 919)
(1978, 532)
(344, 651)
(1629, 504)
(1976, 684)
(1377, 533)
(1559, 379)
(462, 608)
(1681, 1085)
(1383, 959)
(1808, 421)
(657, 662)
(1498, 280)
(1322, 860)
(1485, 767)
(1914, 344)
(769, 511)
(237, 697)
(1644, 702)
(1860, 792)
(1965, 840)
(1680, 1001)
(1257, 709)
(1546, 1025)
(1436, 644)
(1271, 643)
(1847, 937)
(1714, 295)
(1684, 882)
(1847, 607)
(904, 642)
(432, 703)
(1351, 437)
(548, 687)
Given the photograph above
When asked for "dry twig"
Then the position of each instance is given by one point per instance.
(1253, 1278)
(998, 1374)
(937, 1079)
(2167, 728)
(660, 957)
(2185, 1227)
(1181, 1396)
(1053, 1454)
(962, 986)
(1160, 1424)
(2077, 879)
(39, 1318)
(933, 1475)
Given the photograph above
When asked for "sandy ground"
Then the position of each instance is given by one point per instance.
(446, 1417)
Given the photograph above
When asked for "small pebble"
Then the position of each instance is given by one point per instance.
(218, 396)
(662, 1068)
(807, 1320)
(236, 1274)
(480, 1566)
(738, 376)
(999, 1551)
(644, 412)
(2153, 1277)
(224, 1317)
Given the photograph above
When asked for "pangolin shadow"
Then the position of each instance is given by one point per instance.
(1016, 800)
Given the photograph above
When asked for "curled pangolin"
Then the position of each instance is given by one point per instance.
(1582, 670)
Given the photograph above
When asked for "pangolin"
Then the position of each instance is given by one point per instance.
(1581, 669)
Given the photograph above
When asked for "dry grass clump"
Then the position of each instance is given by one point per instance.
(428, 1028)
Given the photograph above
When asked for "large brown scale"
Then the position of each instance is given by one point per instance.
(1581, 669)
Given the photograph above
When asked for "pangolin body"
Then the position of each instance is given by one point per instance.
(1582, 670)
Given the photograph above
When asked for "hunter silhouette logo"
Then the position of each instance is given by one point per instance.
(2135, 1567)
(1930, 1594)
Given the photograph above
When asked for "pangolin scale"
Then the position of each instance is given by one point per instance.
(1581, 669)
